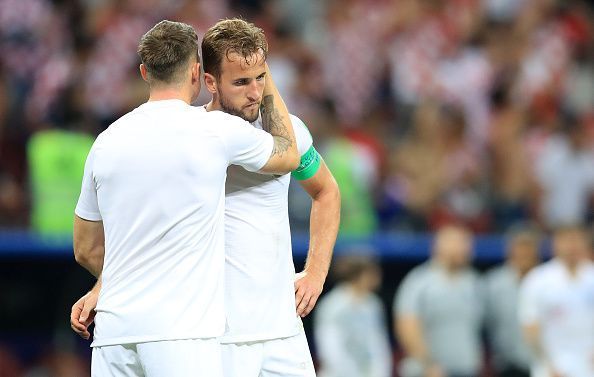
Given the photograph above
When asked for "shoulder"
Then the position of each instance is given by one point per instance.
(302, 134)
(417, 276)
(473, 275)
(495, 275)
(538, 275)
(420, 271)
(333, 301)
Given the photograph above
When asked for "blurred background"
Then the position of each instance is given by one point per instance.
(478, 113)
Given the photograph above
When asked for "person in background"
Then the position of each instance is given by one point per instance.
(438, 311)
(56, 159)
(556, 308)
(350, 327)
(511, 355)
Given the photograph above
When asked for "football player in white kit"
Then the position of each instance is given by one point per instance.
(264, 296)
(150, 218)
(556, 308)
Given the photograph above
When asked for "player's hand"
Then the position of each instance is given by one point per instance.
(434, 371)
(83, 313)
(308, 288)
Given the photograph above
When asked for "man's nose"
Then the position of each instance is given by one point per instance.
(253, 92)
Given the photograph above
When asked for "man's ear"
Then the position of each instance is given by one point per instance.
(143, 72)
(211, 83)
(195, 72)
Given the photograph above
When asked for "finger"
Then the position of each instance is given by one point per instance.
(78, 327)
(83, 333)
(74, 317)
(309, 307)
(303, 304)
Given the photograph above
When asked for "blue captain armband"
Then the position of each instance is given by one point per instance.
(309, 166)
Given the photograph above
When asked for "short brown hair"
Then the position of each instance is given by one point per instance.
(167, 48)
(228, 36)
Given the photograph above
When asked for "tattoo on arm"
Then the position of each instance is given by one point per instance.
(272, 122)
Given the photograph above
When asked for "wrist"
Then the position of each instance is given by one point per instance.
(317, 273)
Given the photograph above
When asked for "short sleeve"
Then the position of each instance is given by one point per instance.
(408, 297)
(304, 139)
(528, 300)
(88, 207)
(246, 145)
(310, 161)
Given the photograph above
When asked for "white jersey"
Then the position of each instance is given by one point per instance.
(156, 179)
(563, 307)
(351, 335)
(259, 271)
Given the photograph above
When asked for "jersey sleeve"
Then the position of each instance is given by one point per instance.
(408, 298)
(246, 145)
(310, 158)
(88, 207)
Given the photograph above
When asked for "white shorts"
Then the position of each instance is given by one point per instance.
(287, 357)
(172, 358)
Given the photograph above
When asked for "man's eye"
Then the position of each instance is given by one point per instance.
(240, 82)
(260, 78)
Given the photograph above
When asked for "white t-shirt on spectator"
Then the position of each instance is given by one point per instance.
(563, 307)
(567, 178)
(156, 179)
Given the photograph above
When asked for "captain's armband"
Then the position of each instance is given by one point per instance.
(309, 165)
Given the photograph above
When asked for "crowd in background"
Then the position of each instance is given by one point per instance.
(520, 319)
(427, 111)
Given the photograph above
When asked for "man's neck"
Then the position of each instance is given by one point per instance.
(168, 94)
(214, 104)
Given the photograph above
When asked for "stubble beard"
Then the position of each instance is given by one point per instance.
(230, 109)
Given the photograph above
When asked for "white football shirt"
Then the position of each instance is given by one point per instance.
(156, 178)
(259, 270)
(563, 307)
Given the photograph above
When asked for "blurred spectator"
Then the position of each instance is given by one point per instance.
(436, 173)
(355, 170)
(565, 173)
(512, 179)
(56, 162)
(438, 311)
(369, 57)
(557, 308)
(511, 355)
(350, 58)
(350, 327)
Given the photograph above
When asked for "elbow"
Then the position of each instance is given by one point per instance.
(80, 257)
(333, 193)
(336, 192)
(294, 162)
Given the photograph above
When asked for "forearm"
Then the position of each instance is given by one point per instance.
(276, 119)
(92, 260)
(89, 244)
(323, 229)
(532, 337)
(411, 338)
